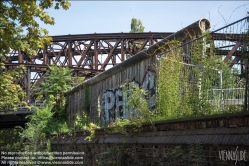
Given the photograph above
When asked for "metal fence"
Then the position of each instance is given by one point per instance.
(31, 103)
(213, 71)
(226, 97)
(38, 104)
(233, 45)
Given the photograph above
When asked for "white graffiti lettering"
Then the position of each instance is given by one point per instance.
(113, 101)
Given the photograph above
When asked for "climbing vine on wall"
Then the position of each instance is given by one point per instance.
(168, 82)
(191, 154)
(187, 83)
(86, 100)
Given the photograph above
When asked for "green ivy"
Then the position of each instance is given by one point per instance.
(183, 87)
(189, 155)
(86, 100)
(10, 140)
(168, 84)
(92, 129)
(82, 121)
(137, 103)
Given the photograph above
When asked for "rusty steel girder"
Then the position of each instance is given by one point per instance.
(86, 54)
(88, 51)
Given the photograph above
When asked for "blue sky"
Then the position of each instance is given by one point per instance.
(84, 17)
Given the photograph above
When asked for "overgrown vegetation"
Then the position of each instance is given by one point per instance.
(192, 154)
(11, 93)
(19, 30)
(34, 134)
(82, 121)
(136, 103)
(169, 79)
(138, 109)
(186, 86)
(51, 118)
(10, 140)
(92, 128)
(58, 81)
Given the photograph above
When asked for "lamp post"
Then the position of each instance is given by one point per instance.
(221, 88)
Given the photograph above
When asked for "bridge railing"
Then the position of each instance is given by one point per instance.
(31, 103)
(215, 70)
(23, 109)
(229, 96)
(226, 94)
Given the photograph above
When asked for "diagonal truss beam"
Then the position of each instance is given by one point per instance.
(110, 54)
(230, 53)
(84, 53)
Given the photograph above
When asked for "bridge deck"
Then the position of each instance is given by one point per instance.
(14, 118)
(11, 119)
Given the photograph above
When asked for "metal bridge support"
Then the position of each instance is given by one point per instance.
(246, 71)
(20, 56)
(95, 63)
(45, 56)
(27, 83)
(69, 54)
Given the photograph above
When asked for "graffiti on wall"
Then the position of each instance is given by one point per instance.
(113, 101)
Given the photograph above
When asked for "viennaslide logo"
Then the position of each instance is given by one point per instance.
(233, 155)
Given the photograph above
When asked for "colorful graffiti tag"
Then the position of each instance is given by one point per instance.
(113, 101)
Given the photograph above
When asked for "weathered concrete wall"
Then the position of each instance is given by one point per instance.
(104, 99)
(204, 140)
(101, 96)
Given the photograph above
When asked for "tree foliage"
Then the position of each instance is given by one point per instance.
(34, 133)
(10, 93)
(50, 118)
(10, 140)
(197, 86)
(136, 25)
(19, 30)
(19, 26)
(57, 82)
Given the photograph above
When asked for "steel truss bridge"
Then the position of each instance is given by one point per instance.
(87, 55)
(90, 54)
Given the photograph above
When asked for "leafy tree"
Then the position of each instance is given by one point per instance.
(10, 140)
(136, 26)
(10, 93)
(34, 133)
(57, 82)
(19, 30)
